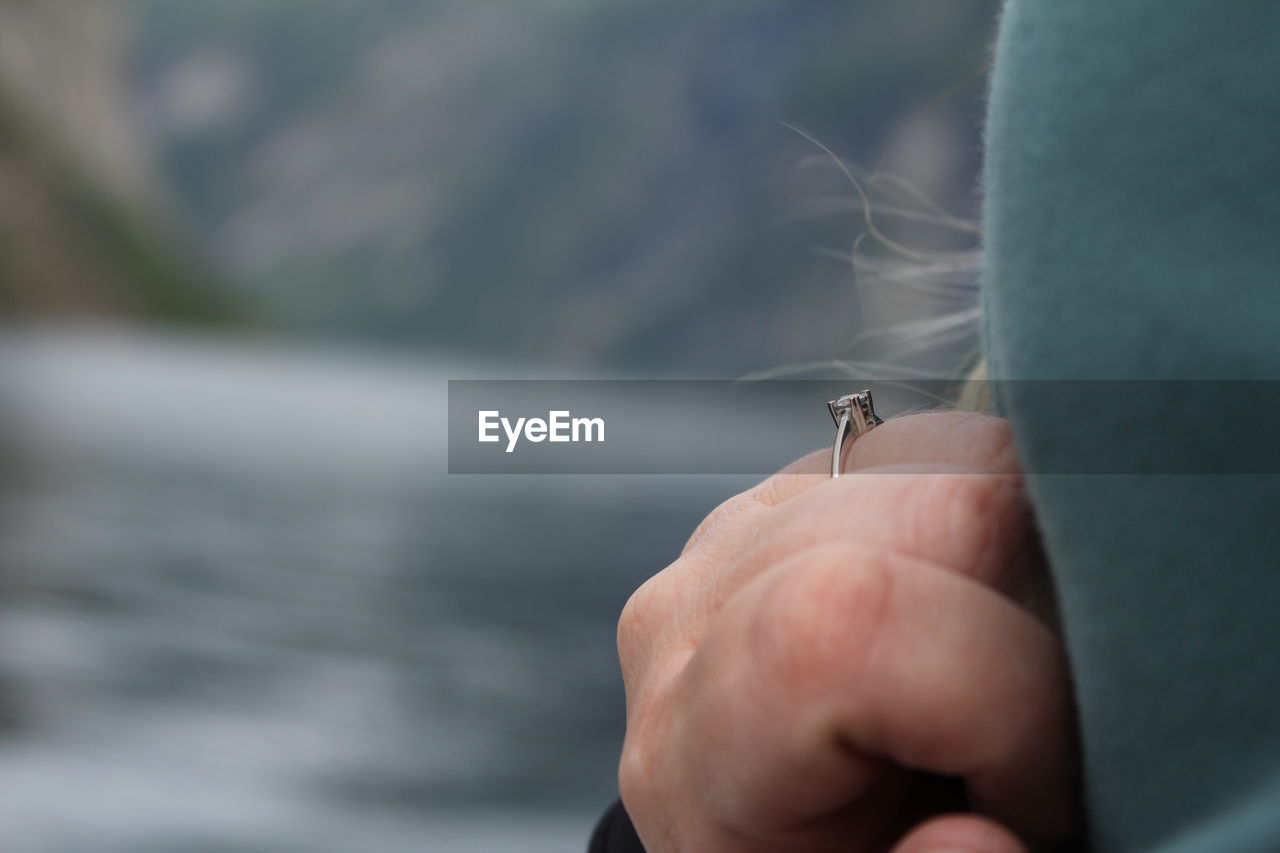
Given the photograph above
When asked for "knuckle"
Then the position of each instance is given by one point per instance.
(635, 771)
(719, 517)
(964, 498)
(785, 484)
(823, 617)
(993, 442)
(641, 620)
(999, 434)
(966, 513)
(645, 762)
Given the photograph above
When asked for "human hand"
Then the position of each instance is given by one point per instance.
(824, 649)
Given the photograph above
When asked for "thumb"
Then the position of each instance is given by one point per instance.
(960, 833)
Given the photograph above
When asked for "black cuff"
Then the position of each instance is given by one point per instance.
(615, 834)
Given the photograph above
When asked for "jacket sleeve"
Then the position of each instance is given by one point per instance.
(615, 834)
(1132, 197)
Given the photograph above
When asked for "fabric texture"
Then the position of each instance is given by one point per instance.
(1132, 228)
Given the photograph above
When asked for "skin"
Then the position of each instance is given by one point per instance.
(824, 650)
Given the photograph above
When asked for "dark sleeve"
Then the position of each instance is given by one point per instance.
(615, 834)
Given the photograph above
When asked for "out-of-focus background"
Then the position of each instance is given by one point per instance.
(243, 244)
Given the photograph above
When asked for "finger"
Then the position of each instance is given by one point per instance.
(973, 523)
(960, 834)
(964, 519)
(960, 439)
(850, 658)
(965, 439)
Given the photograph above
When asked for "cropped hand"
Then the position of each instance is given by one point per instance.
(826, 654)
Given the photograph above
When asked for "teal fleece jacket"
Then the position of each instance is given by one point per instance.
(1132, 228)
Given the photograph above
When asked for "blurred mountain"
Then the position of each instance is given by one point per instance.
(81, 228)
(563, 180)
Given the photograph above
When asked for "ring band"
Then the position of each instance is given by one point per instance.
(854, 415)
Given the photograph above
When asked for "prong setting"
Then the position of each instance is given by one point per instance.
(854, 414)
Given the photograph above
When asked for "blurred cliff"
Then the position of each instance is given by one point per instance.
(81, 214)
(573, 182)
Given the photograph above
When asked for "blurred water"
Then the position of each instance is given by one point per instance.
(242, 608)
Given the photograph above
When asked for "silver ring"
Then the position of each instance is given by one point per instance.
(854, 415)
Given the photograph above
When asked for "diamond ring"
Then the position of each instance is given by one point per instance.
(854, 414)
